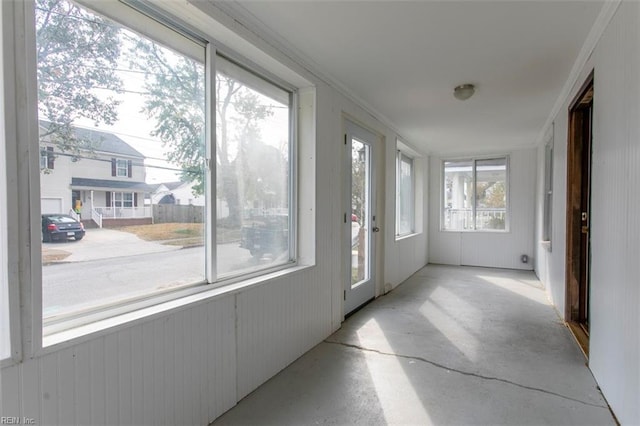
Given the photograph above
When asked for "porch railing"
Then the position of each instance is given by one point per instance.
(460, 219)
(97, 217)
(123, 212)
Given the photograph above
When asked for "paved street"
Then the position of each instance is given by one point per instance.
(125, 268)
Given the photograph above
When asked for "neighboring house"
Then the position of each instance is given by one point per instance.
(105, 180)
(179, 193)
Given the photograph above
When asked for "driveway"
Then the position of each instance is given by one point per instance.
(101, 244)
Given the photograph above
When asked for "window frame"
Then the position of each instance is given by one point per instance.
(120, 168)
(402, 156)
(547, 218)
(211, 281)
(44, 160)
(7, 311)
(119, 197)
(474, 160)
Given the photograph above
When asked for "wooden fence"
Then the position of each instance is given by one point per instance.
(171, 213)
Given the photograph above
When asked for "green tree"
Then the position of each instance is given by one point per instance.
(491, 194)
(358, 183)
(175, 99)
(77, 53)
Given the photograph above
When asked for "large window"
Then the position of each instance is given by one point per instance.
(475, 195)
(253, 171)
(405, 194)
(105, 90)
(123, 199)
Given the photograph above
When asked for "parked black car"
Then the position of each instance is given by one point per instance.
(266, 234)
(61, 227)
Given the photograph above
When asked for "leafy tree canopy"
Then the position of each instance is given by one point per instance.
(77, 54)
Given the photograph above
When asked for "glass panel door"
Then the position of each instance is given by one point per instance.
(360, 208)
(359, 218)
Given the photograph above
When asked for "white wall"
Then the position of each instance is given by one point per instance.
(188, 365)
(489, 249)
(614, 349)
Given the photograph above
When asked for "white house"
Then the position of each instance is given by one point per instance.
(179, 193)
(108, 178)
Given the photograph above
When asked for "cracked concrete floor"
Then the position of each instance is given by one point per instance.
(450, 346)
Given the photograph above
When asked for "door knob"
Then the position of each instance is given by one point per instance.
(376, 229)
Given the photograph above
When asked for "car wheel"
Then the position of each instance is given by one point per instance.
(46, 237)
(79, 237)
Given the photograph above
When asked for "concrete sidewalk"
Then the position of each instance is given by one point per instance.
(101, 244)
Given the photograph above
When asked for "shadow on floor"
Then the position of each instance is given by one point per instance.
(450, 346)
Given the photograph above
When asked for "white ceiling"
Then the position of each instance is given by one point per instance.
(403, 59)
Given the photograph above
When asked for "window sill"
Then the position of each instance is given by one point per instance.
(183, 300)
(407, 236)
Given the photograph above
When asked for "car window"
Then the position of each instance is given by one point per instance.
(62, 219)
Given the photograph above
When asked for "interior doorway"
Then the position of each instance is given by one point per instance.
(577, 312)
(359, 217)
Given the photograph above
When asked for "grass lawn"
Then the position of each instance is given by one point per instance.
(50, 255)
(183, 234)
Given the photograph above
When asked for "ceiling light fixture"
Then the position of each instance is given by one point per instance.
(464, 91)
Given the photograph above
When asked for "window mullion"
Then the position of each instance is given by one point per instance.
(398, 189)
(293, 176)
(210, 165)
(474, 185)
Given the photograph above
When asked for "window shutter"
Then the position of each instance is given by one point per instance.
(129, 168)
(113, 167)
(108, 194)
(135, 199)
(50, 158)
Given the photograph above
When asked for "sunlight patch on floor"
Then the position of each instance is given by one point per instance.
(530, 289)
(443, 309)
(398, 398)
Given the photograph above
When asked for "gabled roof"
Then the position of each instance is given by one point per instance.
(173, 185)
(111, 184)
(101, 141)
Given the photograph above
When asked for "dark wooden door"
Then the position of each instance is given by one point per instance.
(579, 213)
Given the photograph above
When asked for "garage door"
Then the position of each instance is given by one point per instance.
(51, 205)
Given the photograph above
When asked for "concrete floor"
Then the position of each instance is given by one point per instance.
(450, 346)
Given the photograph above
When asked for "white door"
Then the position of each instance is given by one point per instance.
(359, 217)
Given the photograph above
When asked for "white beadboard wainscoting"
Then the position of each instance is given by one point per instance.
(489, 249)
(176, 369)
(614, 318)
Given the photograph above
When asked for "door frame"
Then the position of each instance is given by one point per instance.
(578, 251)
(367, 291)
